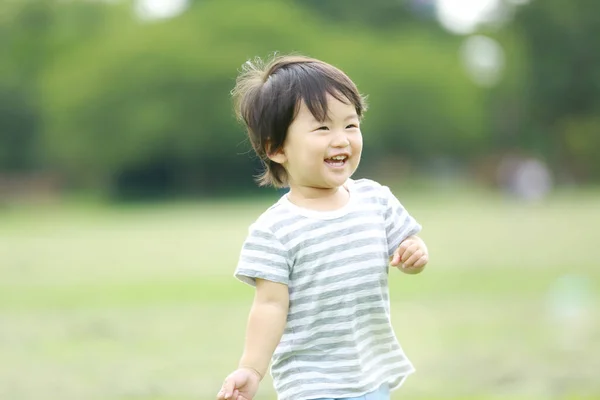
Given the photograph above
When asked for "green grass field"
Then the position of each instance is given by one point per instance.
(140, 303)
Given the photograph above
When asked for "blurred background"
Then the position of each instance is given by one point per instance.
(126, 188)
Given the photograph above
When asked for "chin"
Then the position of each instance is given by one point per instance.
(325, 184)
(335, 183)
(331, 182)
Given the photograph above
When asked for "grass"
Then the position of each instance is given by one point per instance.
(124, 303)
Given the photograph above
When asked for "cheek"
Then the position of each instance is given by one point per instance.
(312, 152)
(304, 155)
(357, 143)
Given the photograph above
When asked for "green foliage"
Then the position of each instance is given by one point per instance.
(131, 107)
(32, 34)
(152, 93)
(375, 14)
(563, 93)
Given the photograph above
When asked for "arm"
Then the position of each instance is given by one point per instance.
(265, 325)
(401, 228)
(264, 263)
(407, 251)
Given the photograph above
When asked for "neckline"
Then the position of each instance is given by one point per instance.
(316, 214)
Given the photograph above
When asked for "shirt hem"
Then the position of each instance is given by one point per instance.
(360, 394)
(402, 379)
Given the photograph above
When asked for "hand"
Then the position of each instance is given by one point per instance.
(411, 256)
(241, 384)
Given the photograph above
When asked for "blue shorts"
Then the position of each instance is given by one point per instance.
(383, 393)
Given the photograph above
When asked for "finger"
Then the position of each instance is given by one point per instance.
(412, 270)
(227, 389)
(413, 258)
(221, 394)
(421, 262)
(409, 252)
(398, 253)
(235, 395)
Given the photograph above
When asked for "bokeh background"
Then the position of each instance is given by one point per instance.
(126, 188)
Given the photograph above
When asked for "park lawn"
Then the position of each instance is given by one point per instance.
(139, 302)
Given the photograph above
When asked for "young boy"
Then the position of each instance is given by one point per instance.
(318, 257)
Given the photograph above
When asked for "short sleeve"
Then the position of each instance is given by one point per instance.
(263, 257)
(399, 224)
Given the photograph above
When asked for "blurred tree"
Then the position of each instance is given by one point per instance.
(19, 129)
(137, 108)
(23, 29)
(377, 14)
(563, 92)
(31, 35)
(146, 107)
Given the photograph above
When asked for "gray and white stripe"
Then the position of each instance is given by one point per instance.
(338, 340)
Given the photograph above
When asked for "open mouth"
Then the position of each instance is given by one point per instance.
(337, 161)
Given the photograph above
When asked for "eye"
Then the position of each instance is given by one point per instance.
(322, 128)
(352, 126)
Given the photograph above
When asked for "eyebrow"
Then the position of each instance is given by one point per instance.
(348, 118)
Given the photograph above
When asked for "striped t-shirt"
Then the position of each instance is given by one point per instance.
(338, 341)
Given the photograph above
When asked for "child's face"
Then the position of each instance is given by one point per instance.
(311, 144)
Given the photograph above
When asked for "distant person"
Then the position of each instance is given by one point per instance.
(319, 257)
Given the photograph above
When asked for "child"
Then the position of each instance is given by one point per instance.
(319, 256)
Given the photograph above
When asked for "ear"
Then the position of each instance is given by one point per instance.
(277, 156)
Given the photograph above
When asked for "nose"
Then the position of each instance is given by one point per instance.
(340, 140)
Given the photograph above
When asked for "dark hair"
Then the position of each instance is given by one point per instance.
(268, 95)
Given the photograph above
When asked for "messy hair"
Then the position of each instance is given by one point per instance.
(267, 97)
